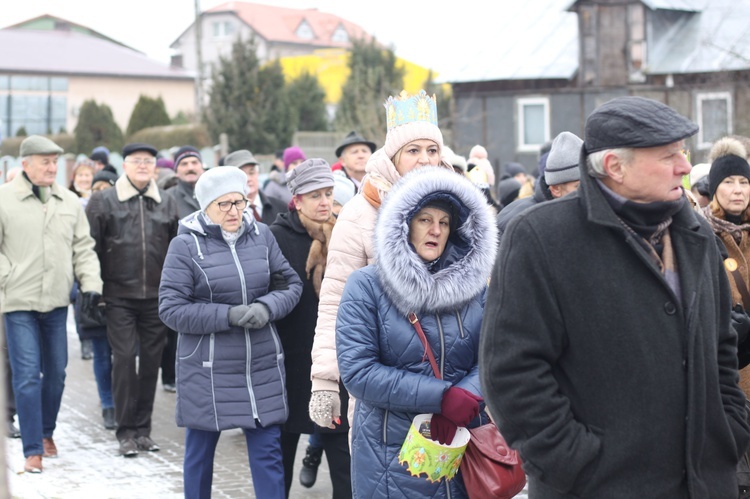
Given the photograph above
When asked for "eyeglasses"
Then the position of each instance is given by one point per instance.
(141, 161)
(240, 204)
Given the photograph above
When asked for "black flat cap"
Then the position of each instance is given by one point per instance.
(354, 138)
(635, 122)
(131, 148)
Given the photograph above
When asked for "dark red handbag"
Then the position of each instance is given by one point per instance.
(490, 469)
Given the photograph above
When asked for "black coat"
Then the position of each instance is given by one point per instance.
(271, 207)
(607, 383)
(297, 330)
(184, 196)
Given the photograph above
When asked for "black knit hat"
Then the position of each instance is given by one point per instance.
(186, 152)
(726, 166)
(635, 122)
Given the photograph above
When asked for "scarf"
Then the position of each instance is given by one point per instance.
(375, 188)
(315, 267)
(714, 214)
(229, 237)
(42, 193)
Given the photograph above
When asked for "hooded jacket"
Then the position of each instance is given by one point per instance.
(381, 358)
(227, 376)
(606, 382)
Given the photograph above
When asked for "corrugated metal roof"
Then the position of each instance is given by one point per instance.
(71, 53)
(536, 39)
(716, 39)
(539, 40)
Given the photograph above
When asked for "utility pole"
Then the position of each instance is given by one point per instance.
(199, 60)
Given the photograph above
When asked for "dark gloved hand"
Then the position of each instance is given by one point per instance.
(256, 317)
(740, 323)
(442, 429)
(459, 406)
(236, 314)
(93, 309)
(278, 282)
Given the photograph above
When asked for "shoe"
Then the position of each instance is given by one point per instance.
(13, 431)
(145, 443)
(169, 387)
(33, 464)
(50, 449)
(87, 350)
(128, 448)
(309, 472)
(108, 415)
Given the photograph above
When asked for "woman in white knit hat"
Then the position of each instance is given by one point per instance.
(218, 292)
(413, 140)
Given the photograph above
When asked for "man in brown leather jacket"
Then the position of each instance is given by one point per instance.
(132, 225)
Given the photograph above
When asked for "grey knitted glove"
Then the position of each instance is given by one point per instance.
(325, 408)
(256, 317)
(236, 314)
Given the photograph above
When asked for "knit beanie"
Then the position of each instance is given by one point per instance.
(343, 188)
(292, 154)
(410, 118)
(478, 152)
(218, 181)
(730, 160)
(562, 162)
(186, 152)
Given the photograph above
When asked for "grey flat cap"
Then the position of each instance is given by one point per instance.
(36, 144)
(635, 122)
(310, 175)
(240, 158)
(562, 162)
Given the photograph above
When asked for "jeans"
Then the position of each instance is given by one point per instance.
(38, 353)
(264, 454)
(103, 370)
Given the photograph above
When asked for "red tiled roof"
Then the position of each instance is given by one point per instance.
(279, 24)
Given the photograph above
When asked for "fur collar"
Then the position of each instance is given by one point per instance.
(404, 276)
(320, 233)
(125, 190)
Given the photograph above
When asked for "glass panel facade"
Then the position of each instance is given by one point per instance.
(37, 103)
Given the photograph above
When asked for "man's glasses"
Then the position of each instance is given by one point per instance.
(141, 161)
(240, 204)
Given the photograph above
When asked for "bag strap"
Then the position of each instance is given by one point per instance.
(427, 350)
(731, 265)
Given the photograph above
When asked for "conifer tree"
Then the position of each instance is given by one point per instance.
(97, 127)
(148, 112)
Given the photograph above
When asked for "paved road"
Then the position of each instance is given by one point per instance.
(90, 467)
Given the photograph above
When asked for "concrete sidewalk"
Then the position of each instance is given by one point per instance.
(89, 465)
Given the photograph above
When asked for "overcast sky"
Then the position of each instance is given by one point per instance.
(421, 32)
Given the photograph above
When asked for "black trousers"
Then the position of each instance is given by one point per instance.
(167, 358)
(134, 330)
(336, 449)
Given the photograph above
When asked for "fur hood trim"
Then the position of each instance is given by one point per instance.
(405, 278)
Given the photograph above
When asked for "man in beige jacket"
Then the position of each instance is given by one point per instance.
(44, 243)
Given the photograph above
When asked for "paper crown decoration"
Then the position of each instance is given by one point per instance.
(406, 109)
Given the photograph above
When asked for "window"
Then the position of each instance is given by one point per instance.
(222, 29)
(304, 31)
(714, 117)
(340, 35)
(533, 123)
(37, 103)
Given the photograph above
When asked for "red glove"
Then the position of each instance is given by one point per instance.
(459, 406)
(442, 429)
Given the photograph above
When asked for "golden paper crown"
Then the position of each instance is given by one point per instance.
(405, 109)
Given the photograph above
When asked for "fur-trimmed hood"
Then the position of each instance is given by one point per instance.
(468, 257)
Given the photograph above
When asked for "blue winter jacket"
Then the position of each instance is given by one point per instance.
(380, 355)
(227, 377)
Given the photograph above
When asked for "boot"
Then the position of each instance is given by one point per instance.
(309, 472)
(108, 415)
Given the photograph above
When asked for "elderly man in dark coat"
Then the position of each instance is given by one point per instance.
(607, 355)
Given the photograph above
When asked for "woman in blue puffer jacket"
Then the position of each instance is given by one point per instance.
(435, 247)
(216, 292)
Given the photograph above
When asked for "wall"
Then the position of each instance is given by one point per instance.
(121, 94)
